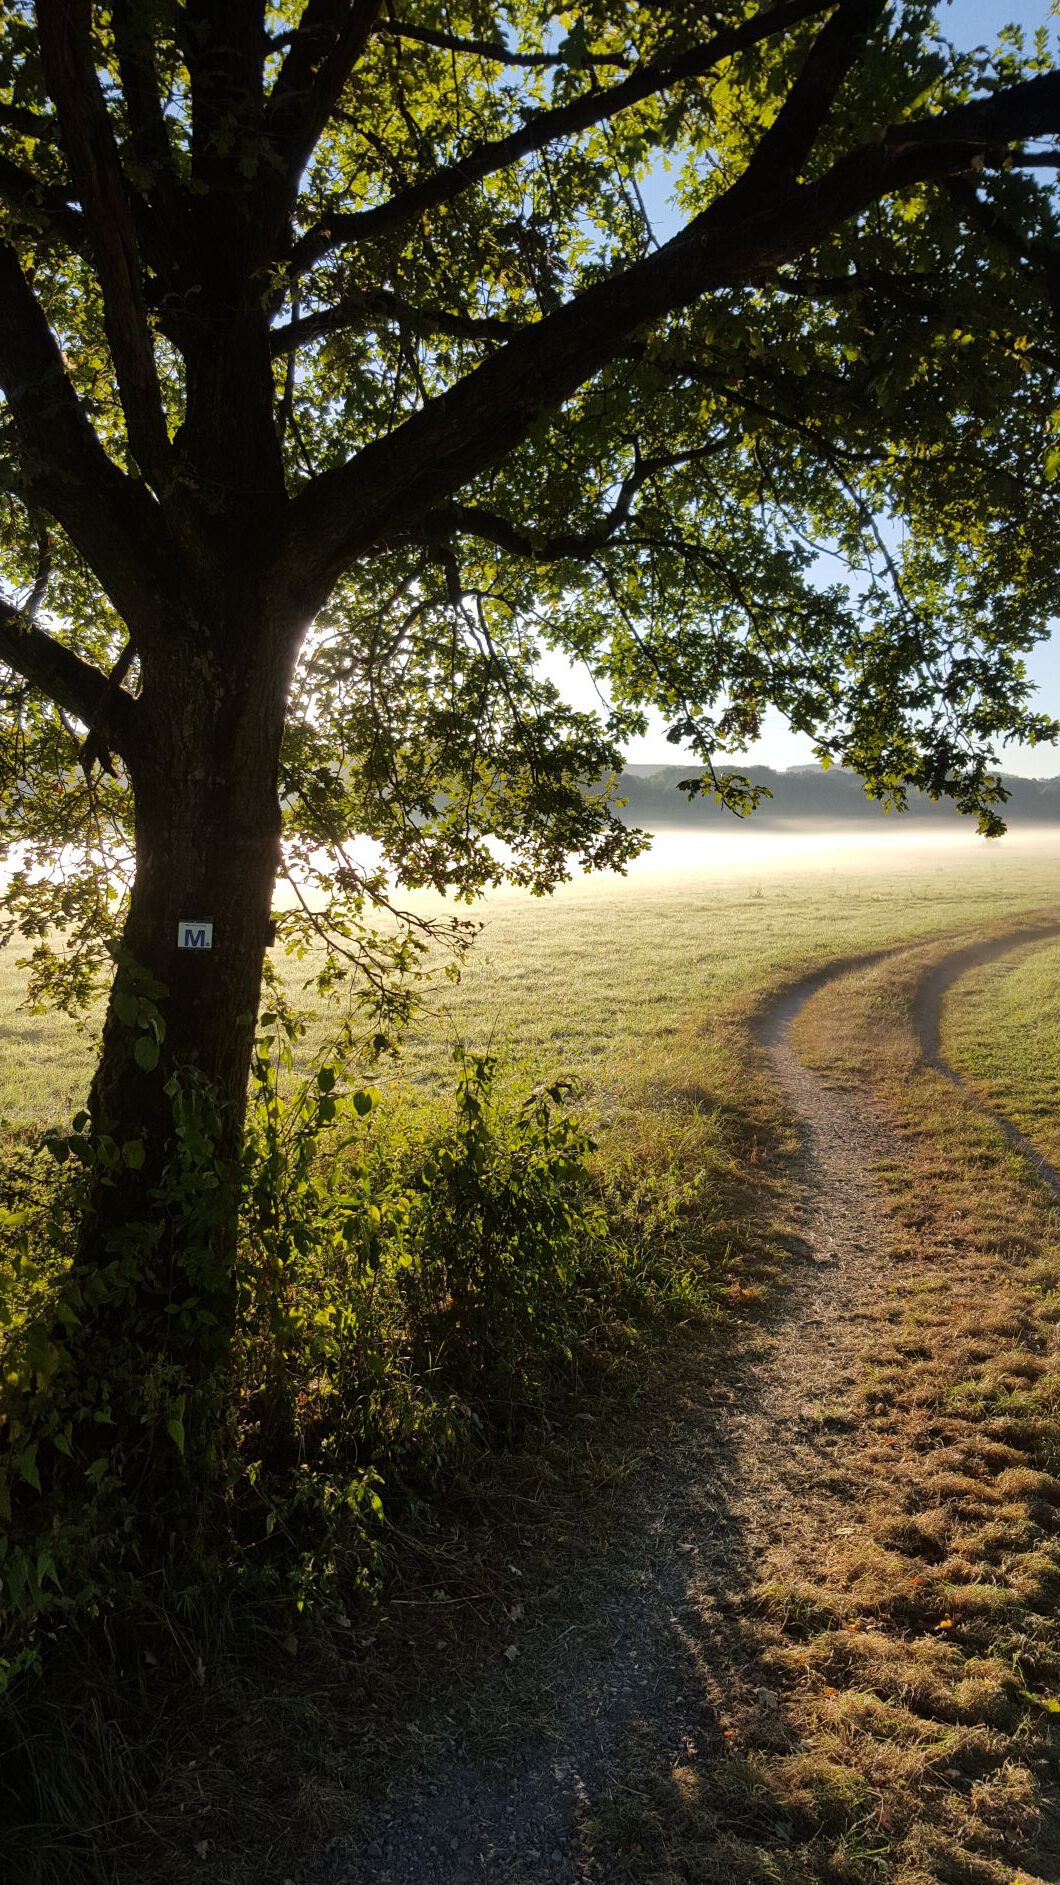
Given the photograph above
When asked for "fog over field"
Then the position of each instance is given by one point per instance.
(784, 847)
(734, 849)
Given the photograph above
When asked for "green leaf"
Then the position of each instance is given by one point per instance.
(145, 1053)
(25, 1464)
(133, 1154)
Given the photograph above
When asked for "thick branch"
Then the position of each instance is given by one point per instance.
(28, 123)
(97, 744)
(44, 206)
(330, 38)
(903, 292)
(112, 520)
(143, 93)
(546, 127)
(784, 150)
(65, 36)
(473, 520)
(492, 49)
(396, 481)
(74, 685)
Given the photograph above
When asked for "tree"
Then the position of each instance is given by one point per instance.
(342, 366)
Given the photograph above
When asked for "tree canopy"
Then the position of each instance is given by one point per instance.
(350, 329)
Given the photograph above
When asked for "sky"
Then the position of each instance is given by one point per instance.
(966, 22)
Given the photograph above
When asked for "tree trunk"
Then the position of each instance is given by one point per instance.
(169, 1096)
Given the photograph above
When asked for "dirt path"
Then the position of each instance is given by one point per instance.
(521, 1778)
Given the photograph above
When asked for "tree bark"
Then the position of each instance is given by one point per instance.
(207, 852)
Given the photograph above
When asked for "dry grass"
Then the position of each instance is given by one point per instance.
(908, 1722)
(942, 1605)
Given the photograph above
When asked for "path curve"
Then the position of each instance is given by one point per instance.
(653, 1665)
(927, 1016)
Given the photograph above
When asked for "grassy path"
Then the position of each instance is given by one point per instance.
(932, 1621)
(932, 992)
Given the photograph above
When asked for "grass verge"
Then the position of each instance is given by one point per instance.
(1000, 1031)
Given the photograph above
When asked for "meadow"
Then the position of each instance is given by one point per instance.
(1001, 1030)
(605, 979)
(601, 1317)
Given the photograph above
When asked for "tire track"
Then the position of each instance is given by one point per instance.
(927, 1018)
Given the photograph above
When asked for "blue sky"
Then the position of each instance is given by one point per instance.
(967, 22)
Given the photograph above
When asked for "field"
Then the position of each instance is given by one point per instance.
(601, 979)
(759, 1456)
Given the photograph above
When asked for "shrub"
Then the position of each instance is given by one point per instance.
(411, 1285)
(507, 1244)
(403, 1291)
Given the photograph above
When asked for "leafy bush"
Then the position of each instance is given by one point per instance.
(507, 1245)
(406, 1290)
(412, 1285)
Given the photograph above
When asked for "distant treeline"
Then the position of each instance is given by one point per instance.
(806, 792)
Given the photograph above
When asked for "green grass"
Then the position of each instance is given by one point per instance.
(602, 979)
(1001, 1030)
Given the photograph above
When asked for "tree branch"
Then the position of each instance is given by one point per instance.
(65, 28)
(74, 685)
(783, 152)
(395, 481)
(111, 519)
(545, 127)
(148, 129)
(1013, 241)
(367, 307)
(97, 743)
(28, 123)
(493, 49)
(328, 41)
(44, 206)
(490, 526)
(903, 292)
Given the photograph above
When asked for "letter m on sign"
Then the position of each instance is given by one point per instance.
(191, 934)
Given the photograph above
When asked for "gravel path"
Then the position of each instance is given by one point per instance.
(656, 1663)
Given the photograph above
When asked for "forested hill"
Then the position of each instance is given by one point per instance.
(805, 792)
